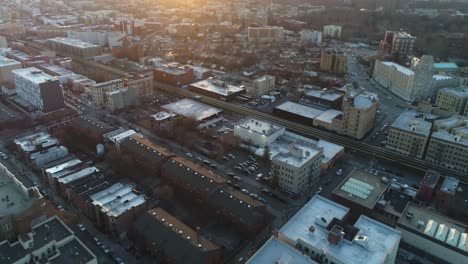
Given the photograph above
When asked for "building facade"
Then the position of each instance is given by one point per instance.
(397, 43)
(74, 47)
(409, 134)
(298, 168)
(39, 89)
(448, 145)
(333, 61)
(261, 86)
(257, 132)
(311, 36)
(359, 112)
(453, 99)
(265, 34)
(7, 66)
(332, 31)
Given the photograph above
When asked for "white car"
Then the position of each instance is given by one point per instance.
(81, 227)
(245, 191)
(339, 172)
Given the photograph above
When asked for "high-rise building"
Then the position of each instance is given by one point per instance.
(411, 85)
(397, 43)
(265, 34)
(311, 36)
(39, 89)
(298, 168)
(332, 31)
(359, 111)
(332, 60)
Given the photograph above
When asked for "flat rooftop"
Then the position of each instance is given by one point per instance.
(17, 201)
(461, 92)
(414, 122)
(78, 175)
(117, 199)
(362, 188)
(4, 61)
(319, 212)
(297, 154)
(325, 95)
(74, 42)
(59, 71)
(62, 166)
(34, 75)
(299, 109)
(365, 100)
(260, 126)
(276, 251)
(30, 143)
(179, 229)
(436, 226)
(328, 116)
(399, 68)
(217, 86)
(190, 108)
(297, 228)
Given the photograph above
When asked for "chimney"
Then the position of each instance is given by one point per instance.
(335, 235)
(312, 229)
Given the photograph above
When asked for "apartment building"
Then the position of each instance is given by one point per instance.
(359, 111)
(261, 86)
(398, 43)
(453, 99)
(120, 99)
(74, 47)
(297, 168)
(39, 89)
(332, 31)
(332, 60)
(257, 132)
(7, 66)
(409, 134)
(323, 230)
(411, 85)
(49, 241)
(311, 36)
(265, 34)
(448, 145)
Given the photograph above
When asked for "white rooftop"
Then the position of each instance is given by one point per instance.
(34, 75)
(381, 239)
(364, 100)
(78, 175)
(259, 126)
(276, 251)
(217, 86)
(74, 42)
(329, 115)
(329, 95)
(413, 121)
(62, 166)
(159, 116)
(299, 109)
(297, 154)
(30, 143)
(121, 136)
(399, 68)
(4, 61)
(439, 77)
(190, 108)
(117, 199)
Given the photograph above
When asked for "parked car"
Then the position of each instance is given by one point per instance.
(265, 191)
(97, 241)
(339, 172)
(245, 191)
(81, 227)
(237, 178)
(253, 195)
